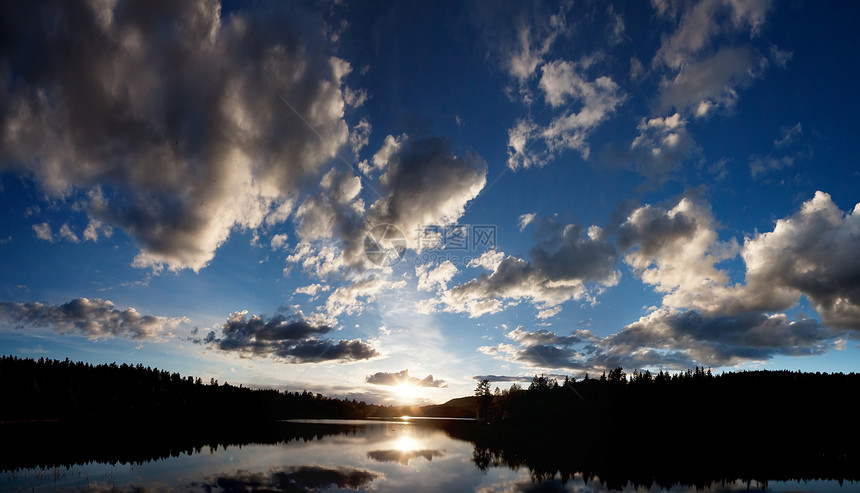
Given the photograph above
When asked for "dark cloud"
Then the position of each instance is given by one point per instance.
(403, 378)
(298, 478)
(561, 266)
(404, 456)
(671, 339)
(652, 228)
(180, 125)
(96, 318)
(425, 183)
(292, 340)
(501, 378)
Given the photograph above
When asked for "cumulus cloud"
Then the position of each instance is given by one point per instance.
(403, 378)
(93, 318)
(813, 252)
(179, 150)
(291, 339)
(567, 264)
(810, 253)
(677, 250)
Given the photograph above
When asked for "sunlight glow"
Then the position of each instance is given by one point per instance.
(406, 393)
(406, 443)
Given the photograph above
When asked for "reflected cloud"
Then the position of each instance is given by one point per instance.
(404, 456)
(299, 478)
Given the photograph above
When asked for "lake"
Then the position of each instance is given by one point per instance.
(331, 455)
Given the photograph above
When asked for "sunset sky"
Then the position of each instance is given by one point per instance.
(387, 201)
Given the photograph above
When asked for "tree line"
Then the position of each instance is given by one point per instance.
(54, 390)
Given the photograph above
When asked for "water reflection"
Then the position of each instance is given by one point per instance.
(339, 455)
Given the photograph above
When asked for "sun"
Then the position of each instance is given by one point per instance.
(407, 393)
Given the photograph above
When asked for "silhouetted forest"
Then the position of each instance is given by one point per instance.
(645, 428)
(48, 390)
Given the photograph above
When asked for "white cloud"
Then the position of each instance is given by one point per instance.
(279, 241)
(43, 232)
(435, 277)
(581, 105)
(353, 297)
(67, 233)
(91, 233)
(526, 219)
(311, 289)
(488, 260)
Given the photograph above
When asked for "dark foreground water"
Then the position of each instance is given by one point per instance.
(409, 456)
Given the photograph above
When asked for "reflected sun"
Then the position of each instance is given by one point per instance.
(406, 444)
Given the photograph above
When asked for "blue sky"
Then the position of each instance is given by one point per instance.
(387, 200)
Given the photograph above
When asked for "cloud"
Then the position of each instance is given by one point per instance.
(404, 456)
(289, 339)
(662, 146)
(43, 232)
(788, 135)
(178, 151)
(677, 250)
(425, 184)
(562, 267)
(403, 378)
(809, 253)
(300, 478)
(526, 219)
(279, 241)
(702, 22)
(67, 233)
(93, 318)
(502, 378)
(812, 252)
(352, 298)
(580, 106)
(311, 289)
(709, 83)
(430, 277)
(672, 339)
(91, 233)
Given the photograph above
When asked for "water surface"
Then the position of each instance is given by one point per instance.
(332, 455)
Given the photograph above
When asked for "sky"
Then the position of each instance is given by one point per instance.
(390, 201)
